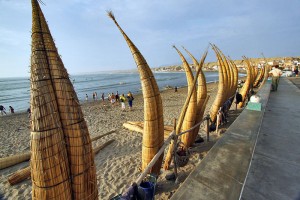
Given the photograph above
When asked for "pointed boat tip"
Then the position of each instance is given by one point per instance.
(110, 14)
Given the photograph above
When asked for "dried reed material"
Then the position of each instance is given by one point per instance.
(201, 91)
(228, 74)
(19, 176)
(267, 68)
(68, 131)
(221, 94)
(259, 77)
(49, 160)
(247, 85)
(235, 76)
(139, 127)
(169, 155)
(153, 136)
(191, 112)
(13, 160)
(25, 173)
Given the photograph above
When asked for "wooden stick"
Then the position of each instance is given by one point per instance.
(97, 149)
(100, 136)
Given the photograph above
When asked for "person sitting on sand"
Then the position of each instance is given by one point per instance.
(11, 109)
(2, 110)
(130, 99)
(122, 100)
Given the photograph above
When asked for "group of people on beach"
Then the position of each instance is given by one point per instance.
(3, 110)
(115, 99)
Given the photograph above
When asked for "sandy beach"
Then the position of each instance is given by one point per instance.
(118, 164)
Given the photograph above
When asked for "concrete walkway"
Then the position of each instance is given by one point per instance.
(259, 155)
(275, 168)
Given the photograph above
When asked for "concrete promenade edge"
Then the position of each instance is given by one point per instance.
(229, 170)
(275, 168)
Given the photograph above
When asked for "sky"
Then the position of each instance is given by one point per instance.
(89, 41)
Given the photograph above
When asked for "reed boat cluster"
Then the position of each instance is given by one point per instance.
(62, 160)
(61, 155)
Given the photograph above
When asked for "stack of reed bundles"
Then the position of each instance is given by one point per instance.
(178, 126)
(248, 83)
(153, 136)
(25, 173)
(221, 93)
(201, 92)
(62, 161)
(190, 114)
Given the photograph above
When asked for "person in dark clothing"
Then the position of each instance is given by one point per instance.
(2, 110)
(11, 109)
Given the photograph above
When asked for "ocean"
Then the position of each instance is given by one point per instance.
(15, 92)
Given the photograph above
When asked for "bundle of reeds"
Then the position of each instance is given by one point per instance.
(153, 136)
(139, 127)
(259, 77)
(19, 176)
(62, 160)
(248, 83)
(190, 114)
(178, 126)
(201, 92)
(25, 173)
(222, 87)
(235, 76)
(15, 159)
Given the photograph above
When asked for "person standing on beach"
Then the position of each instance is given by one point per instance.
(122, 100)
(2, 110)
(117, 97)
(94, 96)
(11, 109)
(86, 97)
(29, 112)
(276, 73)
(130, 99)
(113, 99)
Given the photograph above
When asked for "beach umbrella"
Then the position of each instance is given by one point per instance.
(64, 116)
(153, 136)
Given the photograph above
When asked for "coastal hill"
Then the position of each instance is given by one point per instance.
(283, 62)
